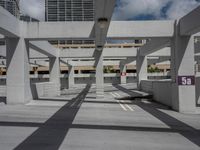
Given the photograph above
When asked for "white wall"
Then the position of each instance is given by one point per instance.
(160, 89)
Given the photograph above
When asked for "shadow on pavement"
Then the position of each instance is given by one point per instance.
(185, 130)
(50, 135)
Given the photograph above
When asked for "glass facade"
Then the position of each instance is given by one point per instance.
(69, 10)
(12, 6)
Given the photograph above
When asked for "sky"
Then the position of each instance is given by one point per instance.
(127, 9)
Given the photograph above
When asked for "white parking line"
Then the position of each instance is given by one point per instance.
(117, 94)
(129, 107)
(122, 106)
(113, 94)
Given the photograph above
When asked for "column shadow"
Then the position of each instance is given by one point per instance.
(154, 109)
(50, 135)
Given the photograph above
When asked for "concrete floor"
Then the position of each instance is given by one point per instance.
(81, 122)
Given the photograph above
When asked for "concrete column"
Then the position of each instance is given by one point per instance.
(141, 65)
(183, 73)
(54, 73)
(99, 75)
(70, 76)
(122, 73)
(18, 81)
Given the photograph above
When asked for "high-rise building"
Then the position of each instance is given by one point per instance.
(69, 10)
(12, 6)
(27, 18)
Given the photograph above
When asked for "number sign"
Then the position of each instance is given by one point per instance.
(186, 80)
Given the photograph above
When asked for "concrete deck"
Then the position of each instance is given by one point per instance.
(81, 122)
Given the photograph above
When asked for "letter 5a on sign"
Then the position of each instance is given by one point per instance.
(186, 80)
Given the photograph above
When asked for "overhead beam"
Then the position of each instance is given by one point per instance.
(60, 30)
(92, 63)
(153, 45)
(140, 29)
(162, 52)
(40, 63)
(86, 30)
(152, 60)
(190, 23)
(9, 25)
(107, 52)
(33, 54)
(44, 47)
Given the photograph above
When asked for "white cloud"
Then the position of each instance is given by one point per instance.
(126, 10)
(132, 8)
(180, 8)
(33, 8)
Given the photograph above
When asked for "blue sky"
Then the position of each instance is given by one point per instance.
(128, 9)
(153, 9)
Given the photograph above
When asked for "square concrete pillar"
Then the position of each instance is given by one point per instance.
(99, 75)
(54, 73)
(141, 65)
(123, 73)
(71, 76)
(18, 81)
(183, 73)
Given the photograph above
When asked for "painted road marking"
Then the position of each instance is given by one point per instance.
(129, 107)
(113, 94)
(117, 94)
(124, 106)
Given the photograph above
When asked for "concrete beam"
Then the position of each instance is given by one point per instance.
(140, 29)
(9, 25)
(162, 52)
(41, 63)
(60, 30)
(103, 9)
(33, 53)
(153, 60)
(36, 54)
(117, 30)
(107, 52)
(153, 45)
(92, 63)
(190, 24)
(44, 47)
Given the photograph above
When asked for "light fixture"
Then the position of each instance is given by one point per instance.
(99, 47)
(102, 22)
